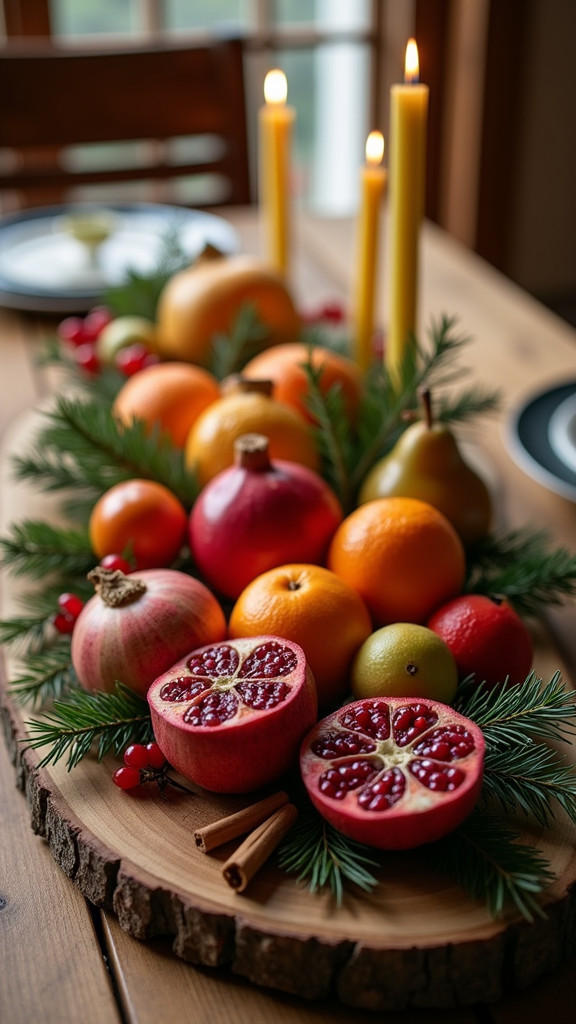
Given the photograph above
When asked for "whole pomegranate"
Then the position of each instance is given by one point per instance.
(394, 772)
(136, 626)
(259, 514)
(230, 716)
(487, 638)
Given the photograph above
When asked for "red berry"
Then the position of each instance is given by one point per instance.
(126, 777)
(63, 622)
(95, 321)
(136, 756)
(72, 330)
(332, 312)
(115, 562)
(155, 756)
(70, 604)
(133, 358)
(86, 358)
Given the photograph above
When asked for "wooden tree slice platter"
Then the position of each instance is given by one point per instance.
(416, 941)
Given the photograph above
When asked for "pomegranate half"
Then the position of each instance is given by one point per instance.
(394, 773)
(230, 716)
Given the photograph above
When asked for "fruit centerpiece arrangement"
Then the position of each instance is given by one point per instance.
(277, 570)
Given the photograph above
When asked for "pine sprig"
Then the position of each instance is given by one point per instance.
(484, 857)
(36, 549)
(45, 676)
(510, 714)
(230, 352)
(522, 566)
(332, 433)
(98, 454)
(73, 726)
(530, 777)
(324, 858)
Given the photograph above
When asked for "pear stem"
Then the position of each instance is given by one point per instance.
(426, 403)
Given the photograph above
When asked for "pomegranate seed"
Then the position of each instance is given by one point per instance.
(182, 688)
(341, 744)
(339, 780)
(116, 562)
(72, 330)
(270, 659)
(63, 622)
(70, 604)
(411, 721)
(126, 777)
(213, 709)
(429, 773)
(215, 661)
(261, 696)
(136, 756)
(155, 756)
(374, 722)
(448, 743)
(384, 793)
(86, 358)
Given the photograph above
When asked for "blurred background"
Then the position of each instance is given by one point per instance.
(502, 146)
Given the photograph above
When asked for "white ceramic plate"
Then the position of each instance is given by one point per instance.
(533, 438)
(44, 268)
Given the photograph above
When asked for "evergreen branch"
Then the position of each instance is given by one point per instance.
(104, 385)
(324, 858)
(230, 352)
(33, 631)
(97, 453)
(71, 728)
(45, 676)
(39, 550)
(530, 776)
(512, 714)
(332, 433)
(522, 567)
(473, 401)
(139, 293)
(484, 856)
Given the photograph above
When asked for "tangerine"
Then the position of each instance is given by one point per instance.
(285, 365)
(168, 395)
(402, 555)
(140, 516)
(248, 409)
(314, 608)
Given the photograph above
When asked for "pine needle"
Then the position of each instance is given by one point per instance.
(530, 778)
(484, 857)
(511, 715)
(324, 858)
(73, 726)
(230, 352)
(46, 676)
(36, 549)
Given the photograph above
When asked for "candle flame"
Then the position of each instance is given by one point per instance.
(275, 87)
(411, 63)
(374, 148)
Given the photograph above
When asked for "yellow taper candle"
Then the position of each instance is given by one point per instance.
(373, 183)
(276, 120)
(408, 127)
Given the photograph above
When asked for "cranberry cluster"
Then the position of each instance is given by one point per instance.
(69, 608)
(82, 334)
(141, 764)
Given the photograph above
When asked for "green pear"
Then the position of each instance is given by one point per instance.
(427, 463)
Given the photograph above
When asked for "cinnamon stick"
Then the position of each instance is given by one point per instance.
(241, 867)
(237, 824)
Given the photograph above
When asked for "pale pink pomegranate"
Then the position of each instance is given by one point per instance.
(394, 772)
(230, 716)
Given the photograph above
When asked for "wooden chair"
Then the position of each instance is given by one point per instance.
(54, 98)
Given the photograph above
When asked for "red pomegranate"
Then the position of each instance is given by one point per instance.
(259, 514)
(487, 638)
(136, 626)
(394, 773)
(230, 717)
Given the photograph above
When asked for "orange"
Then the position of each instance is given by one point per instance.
(402, 555)
(141, 517)
(204, 300)
(314, 608)
(168, 395)
(284, 366)
(210, 445)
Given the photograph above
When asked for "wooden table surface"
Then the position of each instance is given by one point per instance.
(65, 961)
